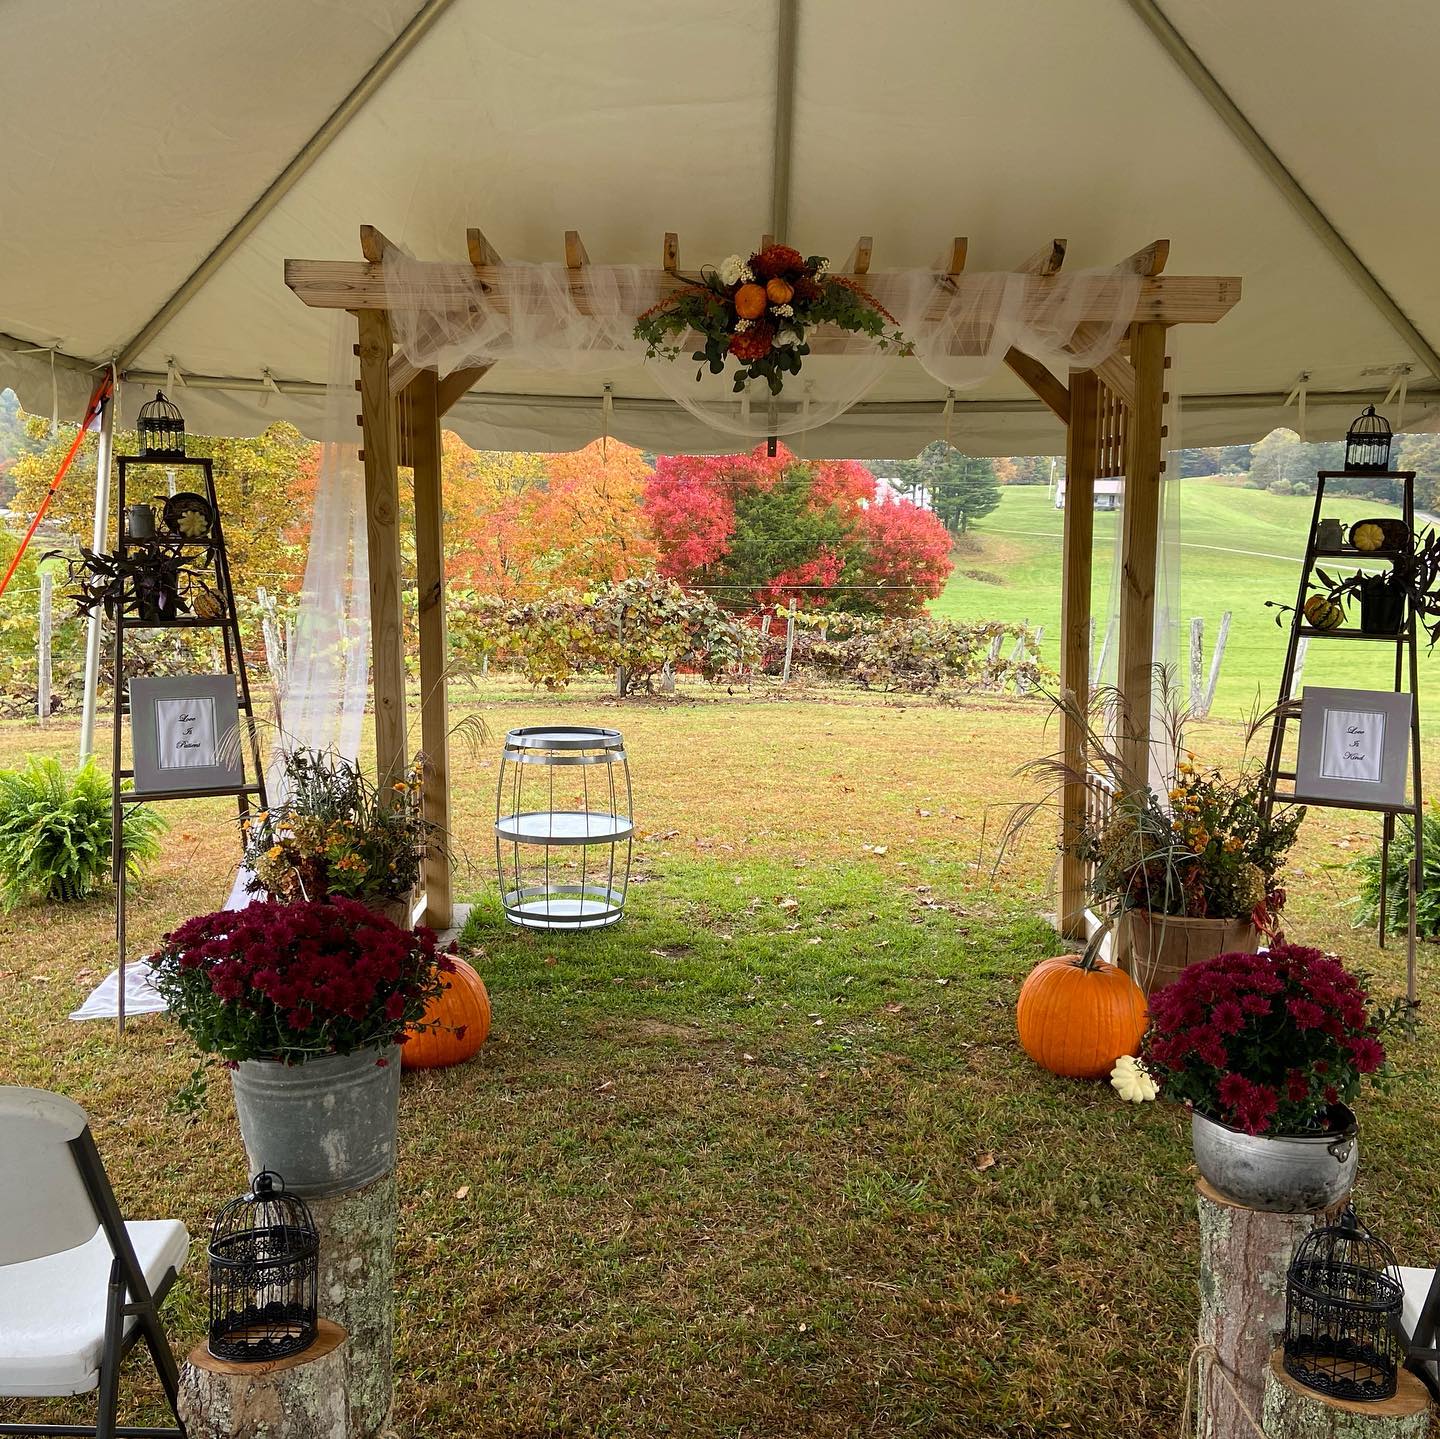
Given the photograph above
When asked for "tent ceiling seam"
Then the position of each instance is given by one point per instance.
(782, 146)
(330, 130)
(1218, 98)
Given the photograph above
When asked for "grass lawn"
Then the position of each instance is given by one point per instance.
(1239, 548)
(765, 1159)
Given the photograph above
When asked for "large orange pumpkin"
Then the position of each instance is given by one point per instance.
(463, 1006)
(1077, 1015)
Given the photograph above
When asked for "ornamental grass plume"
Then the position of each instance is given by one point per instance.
(1268, 1043)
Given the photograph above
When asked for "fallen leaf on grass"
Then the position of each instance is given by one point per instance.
(787, 903)
(876, 849)
(606, 1086)
(662, 834)
(463, 1192)
(894, 1009)
(985, 1161)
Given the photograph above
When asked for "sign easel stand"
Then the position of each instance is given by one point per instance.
(211, 546)
(1406, 678)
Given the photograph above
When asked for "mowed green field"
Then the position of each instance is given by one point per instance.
(1238, 548)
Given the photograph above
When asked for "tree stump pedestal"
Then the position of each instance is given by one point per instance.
(303, 1397)
(1294, 1412)
(1244, 1258)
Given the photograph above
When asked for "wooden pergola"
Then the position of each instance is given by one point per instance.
(1113, 417)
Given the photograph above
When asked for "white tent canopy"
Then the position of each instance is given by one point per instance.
(161, 160)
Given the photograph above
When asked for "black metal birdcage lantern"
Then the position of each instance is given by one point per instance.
(1367, 442)
(162, 429)
(1343, 1299)
(264, 1275)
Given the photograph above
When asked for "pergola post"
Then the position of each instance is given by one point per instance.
(1140, 535)
(423, 420)
(1081, 456)
(382, 531)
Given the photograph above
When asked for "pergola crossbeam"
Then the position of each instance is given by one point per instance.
(360, 285)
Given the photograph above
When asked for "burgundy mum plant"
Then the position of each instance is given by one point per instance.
(296, 981)
(1267, 1043)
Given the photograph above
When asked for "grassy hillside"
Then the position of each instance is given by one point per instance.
(1238, 549)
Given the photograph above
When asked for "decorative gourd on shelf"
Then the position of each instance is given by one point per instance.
(454, 1026)
(1077, 1014)
(1323, 613)
(1368, 536)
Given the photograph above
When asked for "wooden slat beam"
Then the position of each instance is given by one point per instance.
(670, 253)
(1076, 572)
(458, 383)
(575, 255)
(859, 263)
(1043, 385)
(959, 251)
(766, 241)
(1046, 261)
(353, 285)
(373, 244)
(1148, 262)
(482, 252)
(423, 417)
(382, 530)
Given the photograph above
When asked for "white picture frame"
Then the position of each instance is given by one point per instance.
(184, 728)
(1354, 748)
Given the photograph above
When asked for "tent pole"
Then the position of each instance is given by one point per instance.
(1081, 437)
(99, 537)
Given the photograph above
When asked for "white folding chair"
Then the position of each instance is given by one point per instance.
(79, 1286)
(1420, 1321)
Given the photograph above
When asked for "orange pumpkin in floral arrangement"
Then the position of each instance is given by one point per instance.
(779, 292)
(750, 301)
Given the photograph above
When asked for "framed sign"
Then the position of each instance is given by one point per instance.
(184, 729)
(1354, 747)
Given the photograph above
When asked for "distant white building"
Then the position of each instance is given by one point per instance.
(1109, 494)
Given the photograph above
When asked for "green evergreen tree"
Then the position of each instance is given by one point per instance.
(961, 489)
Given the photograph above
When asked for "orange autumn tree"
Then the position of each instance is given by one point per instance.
(484, 494)
(520, 524)
(586, 526)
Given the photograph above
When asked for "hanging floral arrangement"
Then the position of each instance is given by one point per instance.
(759, 312)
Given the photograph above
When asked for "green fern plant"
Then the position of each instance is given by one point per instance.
(1397, 882)
(55, 832)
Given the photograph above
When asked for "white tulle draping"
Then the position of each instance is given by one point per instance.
(582, 321)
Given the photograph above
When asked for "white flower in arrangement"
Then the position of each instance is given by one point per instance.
(1132, 1081)
(747, 275)
(822, 267)
(743, 325)
(788, 337)
(731, 270)
(787, 311)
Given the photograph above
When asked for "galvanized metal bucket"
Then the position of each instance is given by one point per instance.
(324, 1126)
(1283, 1174)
